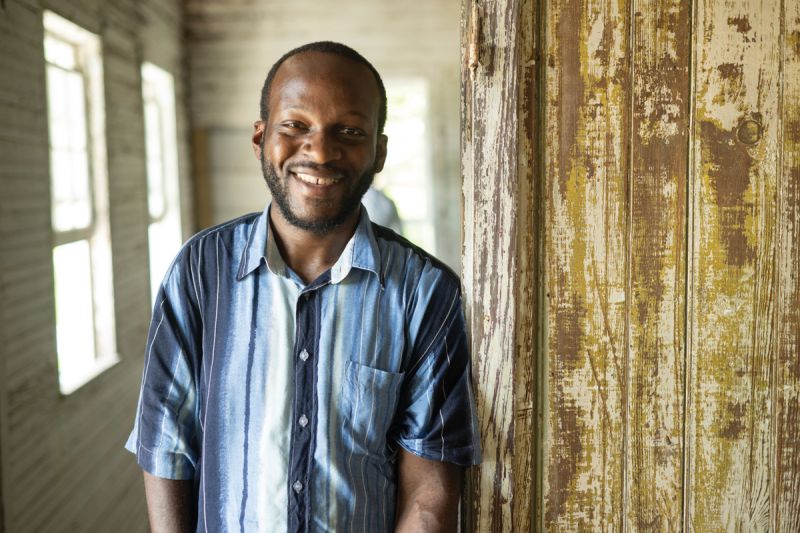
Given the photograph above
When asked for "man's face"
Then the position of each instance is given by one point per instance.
(320, 147)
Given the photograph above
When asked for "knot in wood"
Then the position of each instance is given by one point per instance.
(749, 131)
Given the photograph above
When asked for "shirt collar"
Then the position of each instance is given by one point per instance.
(361, 251)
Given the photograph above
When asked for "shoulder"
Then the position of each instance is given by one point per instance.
(403, 260)
(204, 248)
(228, 231)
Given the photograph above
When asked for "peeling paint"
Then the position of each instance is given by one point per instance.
(670, 377)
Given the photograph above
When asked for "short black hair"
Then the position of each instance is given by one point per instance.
(327, 47)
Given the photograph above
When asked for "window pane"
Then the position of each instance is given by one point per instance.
(165, 240)
(59, 52)
(155, 159)
(69, 158)
(71, 201)
(74, 312)
(406, 176)
(158, 93)
(76, 106)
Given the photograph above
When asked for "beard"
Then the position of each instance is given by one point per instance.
(318, 225)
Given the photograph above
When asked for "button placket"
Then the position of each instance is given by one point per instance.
(302, 433)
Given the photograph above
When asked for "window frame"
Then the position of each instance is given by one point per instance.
(87, 51)
(158, 90)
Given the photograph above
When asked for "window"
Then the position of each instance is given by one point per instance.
(79, 203)
(163, 196)
(406, 176)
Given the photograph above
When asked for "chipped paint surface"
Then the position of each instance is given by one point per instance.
(651, 240)
(733, 316)
(586, 119)
(657, 251)
(491, 275)
(786, 488)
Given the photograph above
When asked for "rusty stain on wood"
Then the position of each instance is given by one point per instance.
(786, 484)
(655, 195)
(734, 292)
(657, 269)
(586, 117)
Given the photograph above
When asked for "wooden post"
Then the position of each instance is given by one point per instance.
(498, 116)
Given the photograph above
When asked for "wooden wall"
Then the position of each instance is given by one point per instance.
(632, 263)
(61, 457)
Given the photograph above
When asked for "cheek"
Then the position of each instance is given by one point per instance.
(277, 150)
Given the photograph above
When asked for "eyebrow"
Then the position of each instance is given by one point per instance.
(350, 112)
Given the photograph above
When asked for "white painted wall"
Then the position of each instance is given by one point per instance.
(61, 458)
(233, 44)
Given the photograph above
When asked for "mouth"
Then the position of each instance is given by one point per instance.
(315, 180)
(319, 181)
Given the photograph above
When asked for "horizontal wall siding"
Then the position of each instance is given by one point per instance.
(63, 465)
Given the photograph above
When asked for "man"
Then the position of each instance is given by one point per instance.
(307, 370)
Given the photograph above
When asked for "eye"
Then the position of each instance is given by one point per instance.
(293, 125)
(352, 132)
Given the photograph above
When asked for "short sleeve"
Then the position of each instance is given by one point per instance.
(165, 432)
(436, 416)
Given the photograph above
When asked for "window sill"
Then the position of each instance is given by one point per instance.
(101, 366)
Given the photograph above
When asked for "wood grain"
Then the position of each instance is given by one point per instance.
(734, 227)
(657, 213)
(529, 349)
(786, 489)
(497, 275)
(587, 114)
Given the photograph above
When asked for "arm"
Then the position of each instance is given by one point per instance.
(427, 495)
(170, 504)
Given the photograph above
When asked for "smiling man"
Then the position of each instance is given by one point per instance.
(306, 369)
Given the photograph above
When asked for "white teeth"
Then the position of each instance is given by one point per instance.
(314, 180)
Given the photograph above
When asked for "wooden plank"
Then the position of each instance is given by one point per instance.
(659, 90)
(587, 117)
(787, 444)
(496, 286)
(529, 349)
(734, 170)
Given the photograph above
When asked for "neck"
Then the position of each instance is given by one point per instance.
(307, 253)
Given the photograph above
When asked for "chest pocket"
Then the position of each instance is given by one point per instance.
(371, 397)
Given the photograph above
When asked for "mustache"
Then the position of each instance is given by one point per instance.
(329, 170)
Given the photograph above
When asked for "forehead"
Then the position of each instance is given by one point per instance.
(323, 79)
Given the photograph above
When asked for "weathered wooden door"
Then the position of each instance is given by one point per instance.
(632, 263)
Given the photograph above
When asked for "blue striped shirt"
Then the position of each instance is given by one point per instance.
(286, 402)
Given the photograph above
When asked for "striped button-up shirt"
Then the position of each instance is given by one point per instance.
(287, 402)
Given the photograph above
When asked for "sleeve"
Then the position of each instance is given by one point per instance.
(436, 416)
(165, 432)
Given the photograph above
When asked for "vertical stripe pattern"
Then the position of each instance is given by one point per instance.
(287, 403)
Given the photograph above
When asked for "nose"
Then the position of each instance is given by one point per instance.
(321, 147)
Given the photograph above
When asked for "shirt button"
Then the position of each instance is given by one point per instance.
(303, 421)
(307, 296)
(304, 355)
(297, 486)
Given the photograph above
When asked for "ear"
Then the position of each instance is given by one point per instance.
(258, 135)
(380, 152)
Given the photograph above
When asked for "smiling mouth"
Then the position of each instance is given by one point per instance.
(315, 180)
